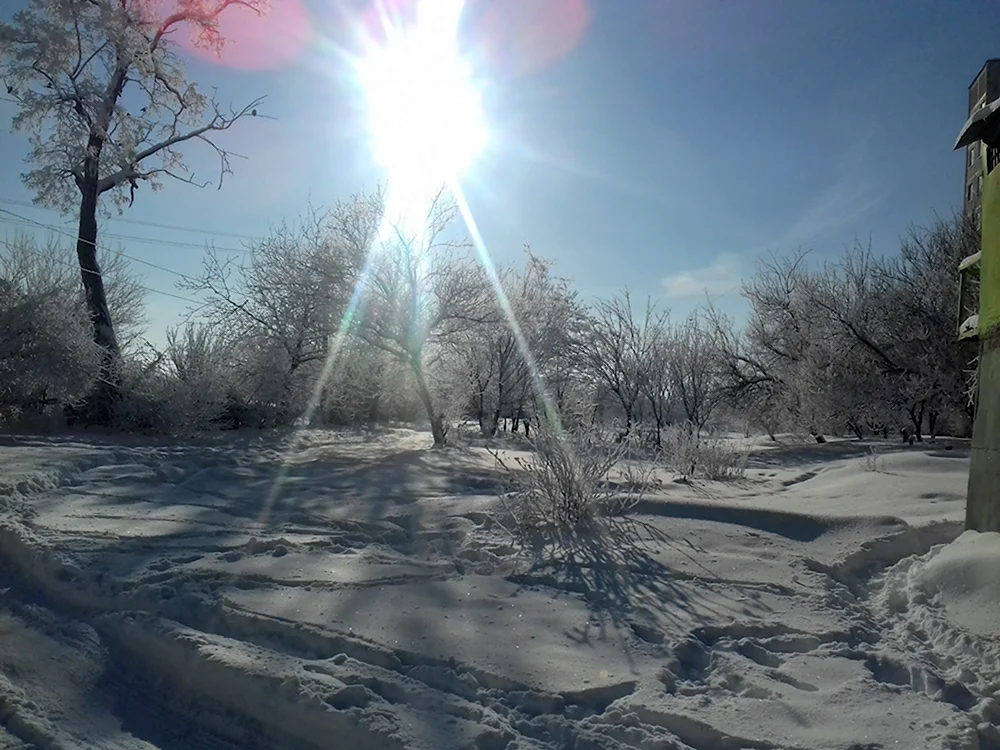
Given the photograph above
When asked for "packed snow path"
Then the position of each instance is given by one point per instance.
(349, 589)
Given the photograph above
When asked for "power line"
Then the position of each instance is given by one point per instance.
(129, 237)
(24, 220)
(139, 222)
(87, 270)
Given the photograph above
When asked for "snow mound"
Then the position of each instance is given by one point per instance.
(963, 577)
(958, 581)
(942, 608)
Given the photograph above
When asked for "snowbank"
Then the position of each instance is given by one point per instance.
(353, 586)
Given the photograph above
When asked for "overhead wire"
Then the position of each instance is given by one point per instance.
(68, 264)
(140, 222)
(154, 290)
(24, 220)
(125, 237)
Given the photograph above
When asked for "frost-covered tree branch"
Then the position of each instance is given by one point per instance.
(101, 88)
(104, 100)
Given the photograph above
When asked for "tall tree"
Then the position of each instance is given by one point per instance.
(418, 292)
(106, 104)
(617, 349)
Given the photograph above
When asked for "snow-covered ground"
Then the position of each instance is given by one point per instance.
(350, 590)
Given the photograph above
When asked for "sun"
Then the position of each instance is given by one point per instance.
(425, 113)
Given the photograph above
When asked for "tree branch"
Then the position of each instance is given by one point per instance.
(218, 123)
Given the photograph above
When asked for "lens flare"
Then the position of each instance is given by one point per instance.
(424, 109)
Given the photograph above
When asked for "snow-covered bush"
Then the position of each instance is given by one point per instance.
(193, 385)
(569, 481)
(144, 394)
(202, 378)
(46, 356)
(691, 454)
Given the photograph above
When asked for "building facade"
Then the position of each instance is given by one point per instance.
(981, 141)
(979, 159)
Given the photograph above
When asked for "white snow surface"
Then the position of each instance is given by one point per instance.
(350, 588)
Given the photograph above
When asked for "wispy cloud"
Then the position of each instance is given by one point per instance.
(721, 276)
(853, 193)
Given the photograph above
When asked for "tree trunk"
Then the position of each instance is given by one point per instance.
(495, 421)
(487, 426)
(932, 420)
(854, 427)
(100, 404)
(917, 418)
(436, 420)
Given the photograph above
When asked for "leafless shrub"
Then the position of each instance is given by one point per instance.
(872, 460)
(143, 404)
(690, 454)
(569, 482)
(972, 382)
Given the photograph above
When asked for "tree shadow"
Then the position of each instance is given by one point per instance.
(794, 455)
(611, 563)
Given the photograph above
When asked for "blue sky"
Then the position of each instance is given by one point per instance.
(662, 148)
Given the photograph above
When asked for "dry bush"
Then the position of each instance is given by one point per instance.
(872, 461)
(46, 354)
(143, 405)
(570, 481)
(691, 454)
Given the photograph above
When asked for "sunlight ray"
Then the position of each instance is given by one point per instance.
(330, 361)
(538, 384)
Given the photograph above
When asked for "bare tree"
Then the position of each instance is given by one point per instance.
(694, 369)
(103, 95)
(288, 292)
(616, 350)
(417, 293)
(765, 368)
(520, 351)
(925, 300)
(858, 343)
(656, 382)
(554, 324)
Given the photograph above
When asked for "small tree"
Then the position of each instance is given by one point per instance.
(103, 96)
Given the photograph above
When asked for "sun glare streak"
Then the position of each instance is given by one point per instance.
(333, 351)
(551, 413)
(427, 128)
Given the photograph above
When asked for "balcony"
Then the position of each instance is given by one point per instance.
(968, 297)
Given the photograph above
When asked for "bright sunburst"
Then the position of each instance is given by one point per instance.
(425, 114)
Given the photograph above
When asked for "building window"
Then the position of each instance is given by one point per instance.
(992, 159)
(972, 155)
